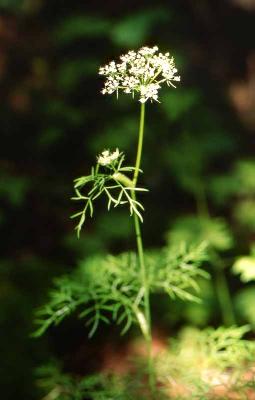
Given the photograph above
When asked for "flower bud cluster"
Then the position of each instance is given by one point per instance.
(140, 72)
(106, 157)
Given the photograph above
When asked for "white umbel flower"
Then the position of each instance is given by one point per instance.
(106, 157)
(140, 72)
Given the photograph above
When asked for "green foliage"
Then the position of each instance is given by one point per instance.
(225, 347)
(245, 304)
(202, 360)
(244, 213)
(13, 188)
(62, 386)
(222, 187)
(199, 314)
(239, 182)
(218, 237)
(176, 269)
(58, 385)
(197, 152)
(133, 30)
(245, 267)
(177, 103)
(114, 287)
(187, 169)
(194, 365)
(72, 73)
(78, 27)
(238, 185)
(116, 186)
(244, 174)
(194, 229)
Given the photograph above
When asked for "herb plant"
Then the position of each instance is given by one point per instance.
(137, 73)
(119, 287)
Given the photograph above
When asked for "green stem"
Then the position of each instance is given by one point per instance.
(221, 284)
(202, 206)
(140, 144)
(223, 294)
(139, 241)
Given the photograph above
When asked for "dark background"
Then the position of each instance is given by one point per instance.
(54, 122)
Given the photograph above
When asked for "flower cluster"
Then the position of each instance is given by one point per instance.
(140, 72)
(106, 157)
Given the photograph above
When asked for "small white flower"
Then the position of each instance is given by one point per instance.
(149, 91)
(140, 72)
(106, 157)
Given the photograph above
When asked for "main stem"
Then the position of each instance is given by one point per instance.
(139, 241)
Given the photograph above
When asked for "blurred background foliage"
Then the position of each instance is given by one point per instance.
(198, 161)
